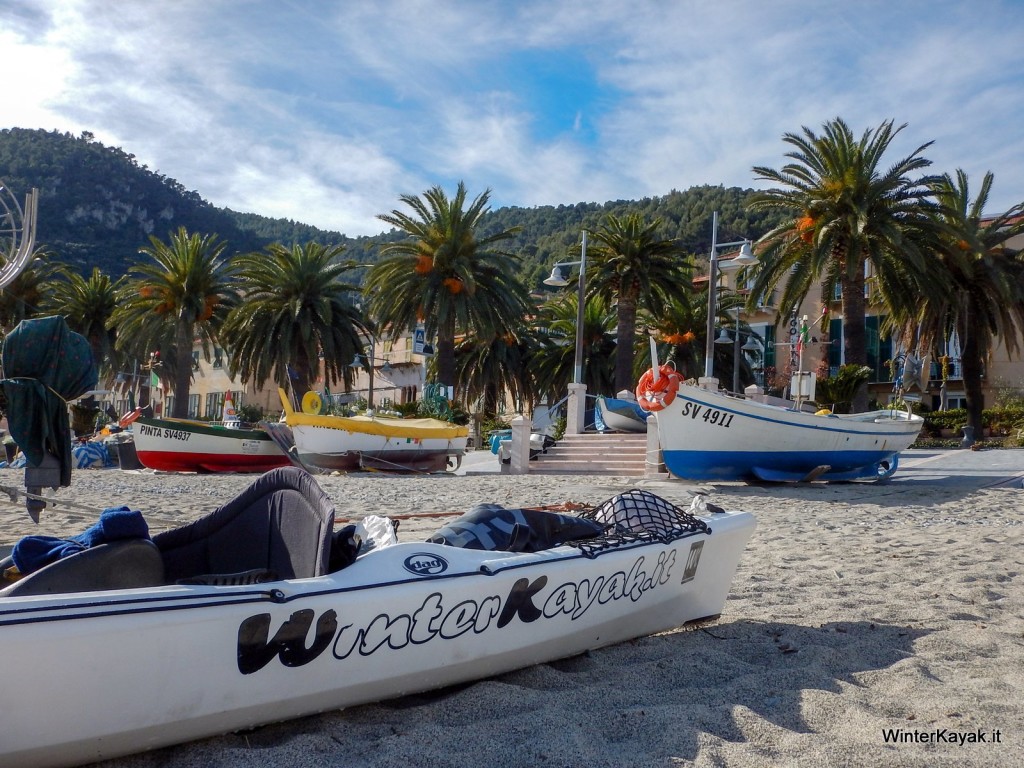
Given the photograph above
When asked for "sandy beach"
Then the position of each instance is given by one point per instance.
(868, 624)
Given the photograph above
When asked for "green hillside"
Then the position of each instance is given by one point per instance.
(98, 206)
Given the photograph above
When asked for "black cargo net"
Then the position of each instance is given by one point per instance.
(637, 516)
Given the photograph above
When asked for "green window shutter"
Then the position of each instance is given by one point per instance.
(835, 348)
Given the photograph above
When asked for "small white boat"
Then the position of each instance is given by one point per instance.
(708, 435)
(621, 414)
(374, 442)
(500, 441)
(183, 445)
(239, 619)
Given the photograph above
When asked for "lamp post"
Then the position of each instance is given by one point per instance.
(577, 388)
(557, 279)
(749, 346)
(724, 338)
(357, 362)
(744, 259)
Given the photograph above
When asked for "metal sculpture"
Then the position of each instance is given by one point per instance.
(17, 233)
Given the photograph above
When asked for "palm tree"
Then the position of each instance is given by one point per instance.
(489, 368)
(87, 307)
(976, 290)
(446, 275)
(297, 311)
(682, 332)
(633, 268)
(186, 292)
(844, 210)
(22, 297)
(553, 360)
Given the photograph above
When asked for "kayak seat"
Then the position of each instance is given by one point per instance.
(124, 564)
(280, 526)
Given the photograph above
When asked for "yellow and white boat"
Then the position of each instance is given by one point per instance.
(373, 442)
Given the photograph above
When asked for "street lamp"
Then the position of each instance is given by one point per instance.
(749, 346)
(744, 259)
(386, 369)
(357, 362)
(577, 396)
(558, 280)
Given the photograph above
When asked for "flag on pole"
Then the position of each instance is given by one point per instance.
(154, 381)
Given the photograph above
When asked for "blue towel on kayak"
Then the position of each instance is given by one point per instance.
(116, 523)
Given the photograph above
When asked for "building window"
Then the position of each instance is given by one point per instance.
(835, 347)
(193, 406)
(880, 350)
(195, 361)
(214, 401)
(218, 357)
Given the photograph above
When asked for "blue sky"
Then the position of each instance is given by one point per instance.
(326, 111)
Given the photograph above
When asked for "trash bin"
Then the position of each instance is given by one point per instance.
(127, 458)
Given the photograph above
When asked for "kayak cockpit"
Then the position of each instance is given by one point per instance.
(280, 527)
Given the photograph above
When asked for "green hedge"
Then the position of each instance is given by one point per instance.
(1002, 421)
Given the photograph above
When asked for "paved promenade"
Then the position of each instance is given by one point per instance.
(983, 468)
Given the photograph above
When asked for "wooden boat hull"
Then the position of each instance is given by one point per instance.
(95, 675)
(710, 436)
(177, 445)
(344, 450)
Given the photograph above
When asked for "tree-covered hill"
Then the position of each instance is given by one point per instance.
(98, 206)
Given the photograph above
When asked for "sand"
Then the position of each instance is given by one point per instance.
(858, 611)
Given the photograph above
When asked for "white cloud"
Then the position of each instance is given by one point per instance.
(326, 113)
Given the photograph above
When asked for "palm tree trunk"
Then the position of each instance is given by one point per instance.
(183, 369)
(624, 344)
(446, 352)
(973, 368)
(96, 347)
(445, 361)
(855, 350)
(302, 381)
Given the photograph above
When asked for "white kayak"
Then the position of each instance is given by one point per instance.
(97, 674)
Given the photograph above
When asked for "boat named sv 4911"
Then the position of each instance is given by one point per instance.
(105, 673)
(708, 435)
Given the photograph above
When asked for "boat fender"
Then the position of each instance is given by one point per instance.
(311, 403)
(655, 393)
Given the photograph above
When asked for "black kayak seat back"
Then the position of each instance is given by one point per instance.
(125, 564)
(281, 524)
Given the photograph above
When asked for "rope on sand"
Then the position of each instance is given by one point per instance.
(14, 493)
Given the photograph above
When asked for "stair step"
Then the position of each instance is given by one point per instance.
(595, 454)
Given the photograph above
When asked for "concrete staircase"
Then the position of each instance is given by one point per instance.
(593, 453)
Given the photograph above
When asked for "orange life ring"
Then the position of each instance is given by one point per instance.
(129, 417)
(653, 396)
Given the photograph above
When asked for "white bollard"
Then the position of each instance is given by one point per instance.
(654, 465)
(576, 409)
(521, 428)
